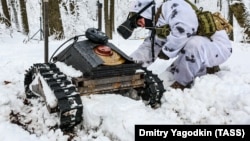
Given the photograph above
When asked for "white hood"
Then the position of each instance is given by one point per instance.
(137, 5)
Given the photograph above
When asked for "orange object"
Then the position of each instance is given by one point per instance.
(103, 50)
(108, 56)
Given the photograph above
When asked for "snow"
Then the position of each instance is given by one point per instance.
(221, 98)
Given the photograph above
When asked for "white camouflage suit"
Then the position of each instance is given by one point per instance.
(193, 53)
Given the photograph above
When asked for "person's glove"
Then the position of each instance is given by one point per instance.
(162, 55)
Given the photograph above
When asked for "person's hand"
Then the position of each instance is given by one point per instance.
(162, 55)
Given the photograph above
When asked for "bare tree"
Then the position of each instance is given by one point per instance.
(112, 14)
(25, 24)
(55, 21)
(109, 17)
(230, 19)
(15, 16)
(242, 16)
(6, 15)
(219, 4)
(106, 18)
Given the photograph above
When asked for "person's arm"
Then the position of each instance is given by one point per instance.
(176, 40)
(183, 24)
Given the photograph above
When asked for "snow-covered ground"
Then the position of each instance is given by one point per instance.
(221, 98)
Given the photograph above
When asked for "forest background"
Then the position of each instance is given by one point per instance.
(67, 18)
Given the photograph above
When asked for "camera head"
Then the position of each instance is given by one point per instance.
(127, 27)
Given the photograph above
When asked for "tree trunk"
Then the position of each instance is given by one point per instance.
(55, 21)
(242, 16)
(109, 17)
(15, 16)
(24, 17)
(219, 4)
(106, 18)
(230, 17)
(6, 16)
(112, 15)
(99, 15)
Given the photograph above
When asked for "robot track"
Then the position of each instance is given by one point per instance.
(46, 80)
(67, 102)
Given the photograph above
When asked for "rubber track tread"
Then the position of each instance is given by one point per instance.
(69, 101)
(154, 88)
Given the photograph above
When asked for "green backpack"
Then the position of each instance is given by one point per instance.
(207, 26)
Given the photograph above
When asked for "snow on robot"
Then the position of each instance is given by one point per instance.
(104, 69)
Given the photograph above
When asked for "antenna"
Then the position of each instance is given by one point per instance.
(46, 31)
(99, 6)
(152, 37)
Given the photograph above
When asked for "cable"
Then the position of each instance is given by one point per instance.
(75, 40)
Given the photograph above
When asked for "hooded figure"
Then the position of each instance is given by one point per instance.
(195, 54)
(139, 5)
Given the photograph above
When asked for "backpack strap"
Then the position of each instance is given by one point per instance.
(164, 30)
(193, 6)
(158, 13)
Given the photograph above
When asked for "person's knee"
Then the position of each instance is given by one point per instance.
(193, 46)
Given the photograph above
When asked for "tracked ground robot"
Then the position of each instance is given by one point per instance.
(104, 69)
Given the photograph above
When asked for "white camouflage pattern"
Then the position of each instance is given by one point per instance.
(194, 53)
